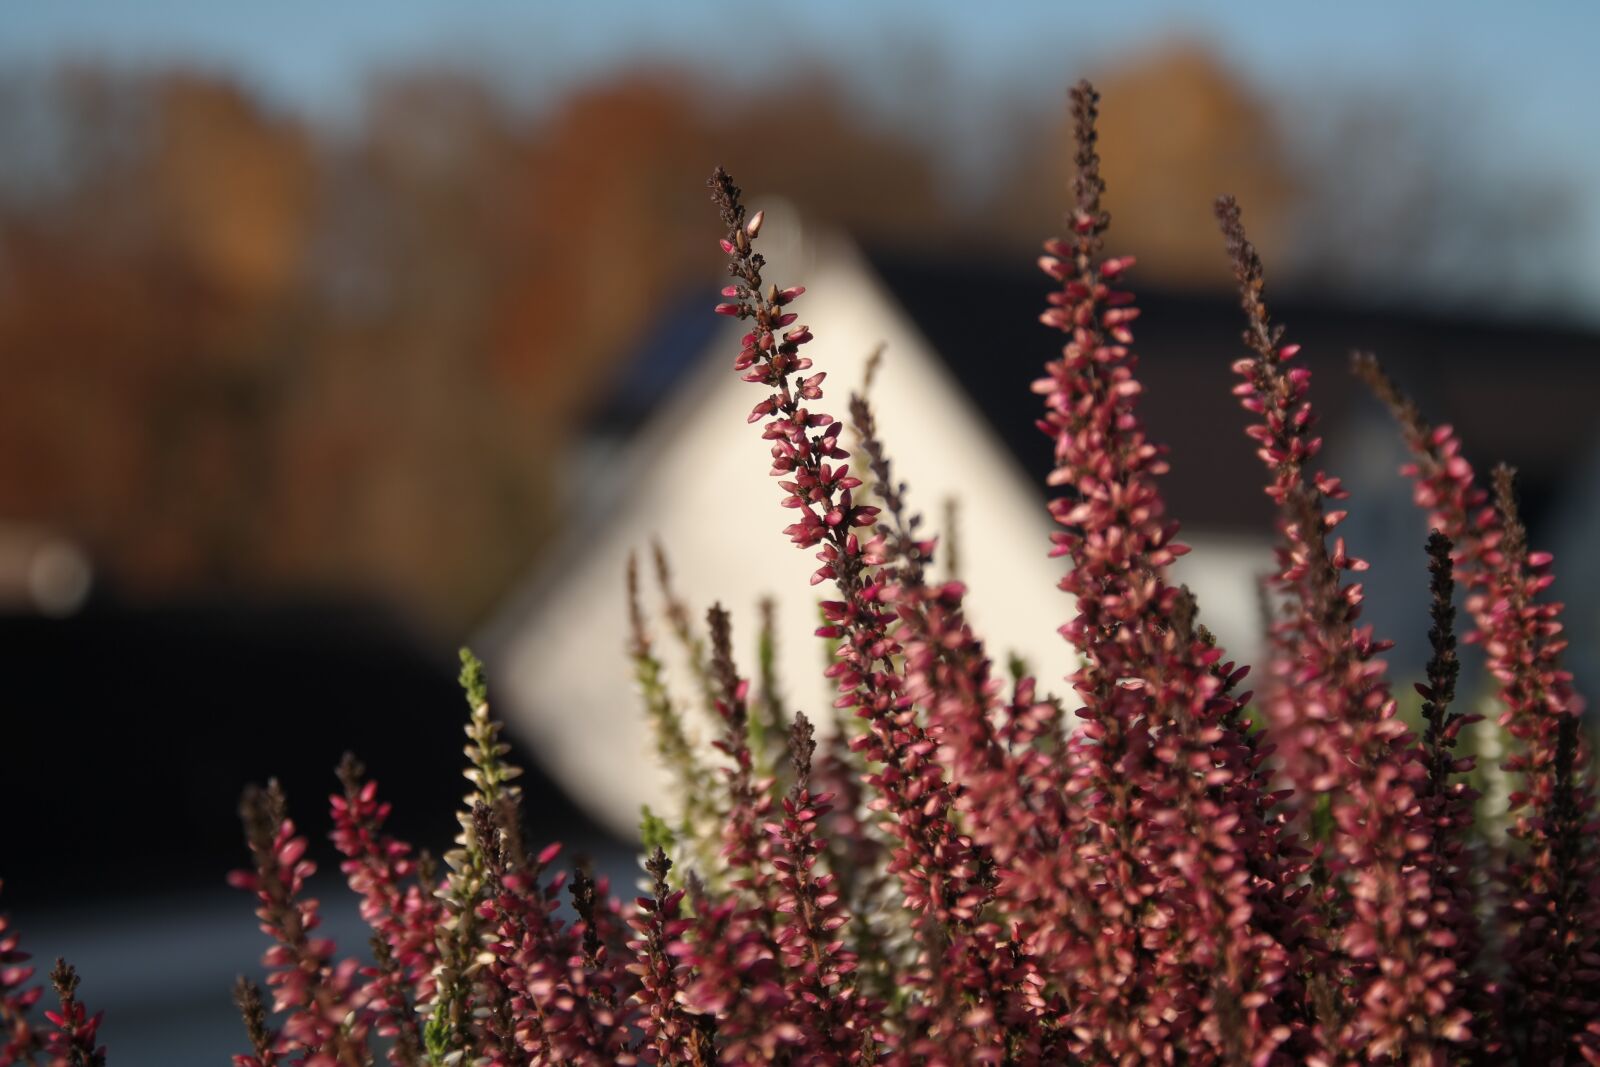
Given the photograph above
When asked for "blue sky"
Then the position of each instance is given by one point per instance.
(316, 54)
(1527, 70)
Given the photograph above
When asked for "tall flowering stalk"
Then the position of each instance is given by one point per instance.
(744, 844)
(545, 989)
(1447, 802)
(671, 1034)
(948, 876)
(857, 852)
(699, 815)
(828, 1006)
(935, 863)
(1355, 759)
(19, 1040)
(400, 908)
(1550, 880)
(389, 999)
(994, 992)
(1553, 883)
(1182, 838)
(991, 1006)
(319, 994)
(769, 953)
(73, 1042)
(69, 1038)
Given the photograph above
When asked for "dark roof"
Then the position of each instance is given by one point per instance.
(1518, 392)
(1522, 393)
(677, 339)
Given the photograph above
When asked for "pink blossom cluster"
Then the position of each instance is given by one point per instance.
(22, 1041)
(937, 866)
(318, 995)
(1549, 884)
(1182, 835)
(73, 1044)
(70, 1037)
(401, 912)
(1357, 761)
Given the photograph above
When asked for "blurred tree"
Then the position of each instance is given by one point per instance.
(141, 275)
(242, 353)
(242, 357)
(1177, 129)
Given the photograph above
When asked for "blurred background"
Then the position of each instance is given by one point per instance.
(311, 316)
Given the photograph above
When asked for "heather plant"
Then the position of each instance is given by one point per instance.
(958, 871)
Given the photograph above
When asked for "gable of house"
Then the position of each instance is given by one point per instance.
(695, 476)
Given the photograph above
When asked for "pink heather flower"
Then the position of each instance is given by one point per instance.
(939, 884)
(324, 1023)
(379, 869)
(602, 938)
(986, 995)
(1552, 880)
(735, 979)
(19, 1041)
(990, 990)
(789, 927)
(744, 844)
(388, 998)
(987, 991)
(1550, 884)
(833, 1018)
(536, 968)
(672, 1033)
(1445, 486)
(73, 1042)
(1175, 834)
(1374, 864)
(858, 849)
